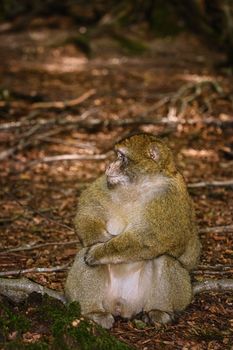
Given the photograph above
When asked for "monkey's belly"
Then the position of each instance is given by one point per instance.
(127, 288)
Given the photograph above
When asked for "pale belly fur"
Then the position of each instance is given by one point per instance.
(128, 285)
(127, 288)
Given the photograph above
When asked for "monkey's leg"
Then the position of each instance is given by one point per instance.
(171, 290)
(87, 285)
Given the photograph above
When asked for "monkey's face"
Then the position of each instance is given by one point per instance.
(137, 157)
(116, 172)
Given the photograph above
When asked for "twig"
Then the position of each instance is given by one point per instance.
(217, 229)
(37, 246)
(189, 92)
(64, 104)
(206, 269)
(86, 124)
(23, 143)
(54, 140)
(211, 272)
(211, 184)
(35, 270)
(9, 219)
(211, 285)
(11, 125)
(215, 267)
(63, 157)
(19, 289)
(218, 269)
(96, 123)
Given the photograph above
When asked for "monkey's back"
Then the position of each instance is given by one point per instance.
(172, 219)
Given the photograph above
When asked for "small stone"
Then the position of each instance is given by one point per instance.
(75, 323)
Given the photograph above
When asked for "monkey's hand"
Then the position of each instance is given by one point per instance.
(124, 248)
(91, 230)
(93, 254)
(129, 247)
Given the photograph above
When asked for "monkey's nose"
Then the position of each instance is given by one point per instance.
(110, 169)
(107, 171)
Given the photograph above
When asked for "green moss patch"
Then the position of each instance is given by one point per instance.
(42, 323)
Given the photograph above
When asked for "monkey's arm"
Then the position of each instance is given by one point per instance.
(167, 230)
(130, 247)
(90, 229)
(90, 220)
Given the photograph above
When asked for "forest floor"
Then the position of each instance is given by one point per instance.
(54, 100)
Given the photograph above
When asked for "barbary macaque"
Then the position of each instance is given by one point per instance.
(137, 227)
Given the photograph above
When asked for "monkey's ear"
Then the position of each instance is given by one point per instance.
(154, 153)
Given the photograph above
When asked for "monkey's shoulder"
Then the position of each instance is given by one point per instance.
(175, 203)
(95, 192)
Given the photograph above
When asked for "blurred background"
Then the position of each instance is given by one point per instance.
(211, 20)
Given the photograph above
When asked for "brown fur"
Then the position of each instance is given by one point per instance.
(138, 230)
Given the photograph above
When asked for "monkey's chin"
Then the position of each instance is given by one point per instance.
(113, 181)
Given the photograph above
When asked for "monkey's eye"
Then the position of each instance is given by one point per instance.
(121, 156)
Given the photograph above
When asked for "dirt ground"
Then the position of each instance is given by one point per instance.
(56, 101)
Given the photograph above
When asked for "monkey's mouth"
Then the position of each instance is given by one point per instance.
(113, 180)
(112, 177)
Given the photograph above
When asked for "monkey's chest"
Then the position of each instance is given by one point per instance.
(122, 218)
(116, 225)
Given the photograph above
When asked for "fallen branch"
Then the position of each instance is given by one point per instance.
(37, 246)
(63, 157)
(214, 273)
(34, 270)
(23, 143)
(19, 289)
(58, 141)
(216, 267)
(213, 286)
(87, 124)
(211, 184)
(96, 124)
(210, 270)
(217, 229)
(51, 104)
(64, 104)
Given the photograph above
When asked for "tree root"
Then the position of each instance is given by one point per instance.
(221, 285)
(18, 289)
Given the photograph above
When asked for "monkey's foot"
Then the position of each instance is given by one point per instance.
(157, 317)
(104, 319)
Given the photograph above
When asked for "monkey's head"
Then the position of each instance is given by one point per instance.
(137, 156)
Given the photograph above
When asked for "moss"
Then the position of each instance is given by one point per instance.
(132, 46)
(163, 20)
(10, 321)
(71, 331)
(66, 328)
(87, 336)
(19, 346)
(139, 324)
